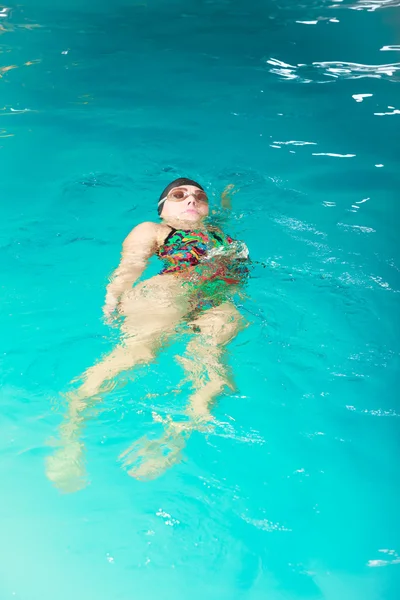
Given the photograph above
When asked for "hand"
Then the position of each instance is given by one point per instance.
(110, 313)
(226, 196)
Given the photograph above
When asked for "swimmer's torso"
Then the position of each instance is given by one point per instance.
(183, 250)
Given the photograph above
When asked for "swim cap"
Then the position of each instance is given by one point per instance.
(176, 183)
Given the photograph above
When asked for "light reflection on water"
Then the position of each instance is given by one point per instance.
(318, 71)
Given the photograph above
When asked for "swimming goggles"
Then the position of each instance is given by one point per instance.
(179, 194)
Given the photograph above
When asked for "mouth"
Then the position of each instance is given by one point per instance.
(192, 211)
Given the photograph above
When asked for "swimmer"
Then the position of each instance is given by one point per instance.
(202, 271)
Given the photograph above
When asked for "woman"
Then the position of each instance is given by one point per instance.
(203, 269)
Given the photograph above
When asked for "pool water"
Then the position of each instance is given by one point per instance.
(294, 494)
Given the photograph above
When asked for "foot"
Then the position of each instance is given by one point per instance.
(148, 459)
(65, 468)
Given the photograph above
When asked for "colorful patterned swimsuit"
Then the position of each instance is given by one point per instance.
(183, 250)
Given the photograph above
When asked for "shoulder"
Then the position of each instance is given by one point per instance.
(147, 233)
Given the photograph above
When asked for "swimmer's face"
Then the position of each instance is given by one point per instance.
(187, 203)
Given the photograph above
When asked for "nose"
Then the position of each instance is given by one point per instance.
(191, 199)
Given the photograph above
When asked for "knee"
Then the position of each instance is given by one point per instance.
(228, 324)
(236, 319)
(223, 328)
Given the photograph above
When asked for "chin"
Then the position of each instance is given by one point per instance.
(192, 217)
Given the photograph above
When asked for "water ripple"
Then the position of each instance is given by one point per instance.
(4, 12)
(265, 524)
(393, 48)
(374, 412)
(392, 555)
(317, 72)
(372, 5)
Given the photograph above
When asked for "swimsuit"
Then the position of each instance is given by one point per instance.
(196, 257)
(183, 249)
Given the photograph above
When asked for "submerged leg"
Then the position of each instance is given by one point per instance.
(205, 360)
(205, 367)
(148, 325)
(65, 467)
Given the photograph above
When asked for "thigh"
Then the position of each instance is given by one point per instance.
(153, 307)
(161, 292)
(219, 324)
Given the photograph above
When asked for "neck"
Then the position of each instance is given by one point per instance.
(182, 224)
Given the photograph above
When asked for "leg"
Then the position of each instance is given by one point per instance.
(151, 310)
(205, 363)
(150, 319)
(65, 467)
(204, 366)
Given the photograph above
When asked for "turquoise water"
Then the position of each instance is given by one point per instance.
(295, 493)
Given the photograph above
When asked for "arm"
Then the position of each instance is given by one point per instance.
(220, 215)
(137, 248)
(226, 196)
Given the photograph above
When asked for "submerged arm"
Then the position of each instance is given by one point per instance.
(137, 248)
(226, 196)
(220, 214)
